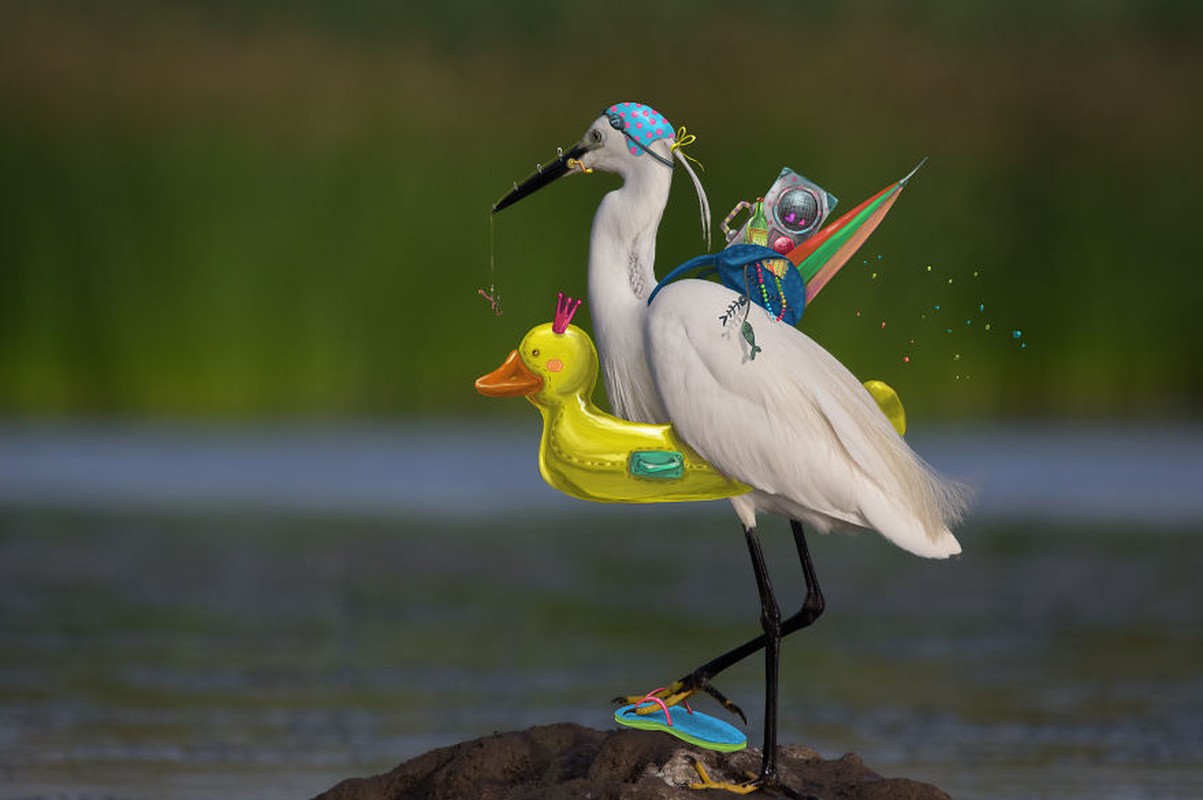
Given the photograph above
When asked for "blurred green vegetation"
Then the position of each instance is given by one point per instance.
(280, 208)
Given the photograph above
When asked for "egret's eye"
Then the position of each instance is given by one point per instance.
(595, 136)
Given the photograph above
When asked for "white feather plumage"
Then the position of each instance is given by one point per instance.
(793, 423)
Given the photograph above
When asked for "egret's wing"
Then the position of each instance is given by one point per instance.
(793, 422)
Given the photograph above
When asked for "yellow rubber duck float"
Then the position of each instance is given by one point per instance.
(591, 455)
(585, 452)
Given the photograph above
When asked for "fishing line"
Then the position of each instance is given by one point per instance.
(492, 297)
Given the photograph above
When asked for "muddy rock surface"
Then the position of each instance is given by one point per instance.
(557, 762)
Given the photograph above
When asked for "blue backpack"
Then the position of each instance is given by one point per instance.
(764, 276)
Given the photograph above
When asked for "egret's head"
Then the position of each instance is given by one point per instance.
(555, 361)
(625, 138)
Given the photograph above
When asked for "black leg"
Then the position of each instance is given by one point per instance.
(770, 621)
(813, 605)
(770, 640)
(811, 610)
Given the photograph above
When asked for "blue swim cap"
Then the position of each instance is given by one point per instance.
(641, 124)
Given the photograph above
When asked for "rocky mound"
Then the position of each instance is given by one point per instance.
(557, 762)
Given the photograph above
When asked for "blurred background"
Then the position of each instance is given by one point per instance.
(258, 533)
(212, 209)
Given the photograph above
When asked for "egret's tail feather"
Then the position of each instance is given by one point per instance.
(909, 503)
(920, 510)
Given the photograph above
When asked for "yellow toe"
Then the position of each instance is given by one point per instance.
(735, 788)
(671, 695)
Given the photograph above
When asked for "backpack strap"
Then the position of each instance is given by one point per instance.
(733, 258)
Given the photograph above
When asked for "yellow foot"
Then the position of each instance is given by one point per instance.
(671, 695)
(678, 692)
(750, 786)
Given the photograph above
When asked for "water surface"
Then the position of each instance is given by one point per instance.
(259, 613)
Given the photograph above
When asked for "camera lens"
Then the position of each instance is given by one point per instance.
(797, 210)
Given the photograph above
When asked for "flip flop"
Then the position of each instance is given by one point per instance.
(694, 727)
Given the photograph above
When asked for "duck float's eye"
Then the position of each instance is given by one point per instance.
(534, 353)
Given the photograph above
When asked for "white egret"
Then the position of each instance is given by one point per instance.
(792, 422)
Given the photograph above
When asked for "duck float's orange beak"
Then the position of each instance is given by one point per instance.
(511, 379)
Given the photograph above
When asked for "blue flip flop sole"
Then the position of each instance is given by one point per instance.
(694, 727)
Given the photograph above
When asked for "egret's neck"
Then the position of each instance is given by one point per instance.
(622, 255)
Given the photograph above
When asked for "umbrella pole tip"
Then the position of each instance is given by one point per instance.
(911, 174)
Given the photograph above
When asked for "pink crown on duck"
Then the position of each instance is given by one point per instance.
(565, 308)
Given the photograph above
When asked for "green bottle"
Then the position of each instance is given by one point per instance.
(758, 226)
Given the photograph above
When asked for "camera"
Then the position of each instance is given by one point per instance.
(793, 209)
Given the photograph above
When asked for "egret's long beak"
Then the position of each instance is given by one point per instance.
(511, 379)
(561, 166)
